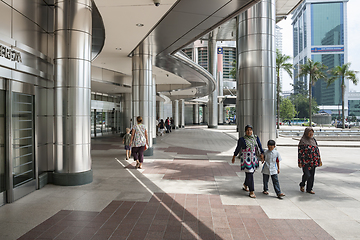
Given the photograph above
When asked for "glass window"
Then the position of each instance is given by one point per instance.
(300, 34)
(203, 57)
(327, 24)
(354, 107)
(229, 56)
(23, 137)
(295, 39)
(328, 95)
(305, 33)
(188, 52)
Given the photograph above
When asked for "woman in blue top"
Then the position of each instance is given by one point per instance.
(249, 162)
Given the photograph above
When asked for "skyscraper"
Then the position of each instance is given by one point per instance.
(320, 33)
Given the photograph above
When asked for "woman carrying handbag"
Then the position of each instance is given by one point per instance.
(139, 142)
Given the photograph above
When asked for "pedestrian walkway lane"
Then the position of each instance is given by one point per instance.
(188, 190)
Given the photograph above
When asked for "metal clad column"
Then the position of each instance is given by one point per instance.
(256, 68)
(175, 109)
(142, 61)
(72, 59)
(182, 113)
(213, 102)
(153, 111)
(220, 84)
(196, 114)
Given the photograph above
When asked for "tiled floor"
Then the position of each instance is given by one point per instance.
(174, 216)
(189, 190)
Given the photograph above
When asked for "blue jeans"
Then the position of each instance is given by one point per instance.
(275, 182)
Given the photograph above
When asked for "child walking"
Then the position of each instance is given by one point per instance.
(271, 168)
(126, 141)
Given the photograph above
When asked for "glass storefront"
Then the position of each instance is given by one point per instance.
(23, 138)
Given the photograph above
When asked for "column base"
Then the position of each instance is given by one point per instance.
(149, 152)
(210, 126)
(154, 140)
(71, 179)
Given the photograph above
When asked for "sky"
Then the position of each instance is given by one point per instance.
(353, 20)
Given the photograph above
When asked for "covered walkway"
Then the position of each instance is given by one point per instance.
(190, 190)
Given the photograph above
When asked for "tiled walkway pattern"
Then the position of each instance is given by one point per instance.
(191, 169)
(174, 216)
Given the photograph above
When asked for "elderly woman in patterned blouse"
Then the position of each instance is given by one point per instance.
(308, 159)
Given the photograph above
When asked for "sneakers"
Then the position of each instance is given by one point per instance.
(281, 195)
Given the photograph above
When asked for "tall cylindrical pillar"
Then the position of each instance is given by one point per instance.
(213, 102)
(160, 110)
(142, 83)
(175, 109)
(220, 84)
(182, 113)
(72, 64)
(196, 114)
(256, 69)
(153, 109)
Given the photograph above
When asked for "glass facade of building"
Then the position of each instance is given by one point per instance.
(328, 95)
(203, 57)
(354, 107)
(327, 24)
(323, 23)
(229, 56)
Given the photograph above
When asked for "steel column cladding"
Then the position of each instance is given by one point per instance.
(72, 58)
(256, 70)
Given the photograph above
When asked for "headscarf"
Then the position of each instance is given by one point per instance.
(306, 140)
(250, 141)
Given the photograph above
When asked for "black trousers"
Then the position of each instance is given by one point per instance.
(249, 181)
(308, 177)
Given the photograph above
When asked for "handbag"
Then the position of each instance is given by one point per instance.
(146, 146)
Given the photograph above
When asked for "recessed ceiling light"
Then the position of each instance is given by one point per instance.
(139, 25)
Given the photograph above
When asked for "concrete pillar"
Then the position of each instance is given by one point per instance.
(256, 70)
(213, 102)
(182, 113)
(175, 109)
(142, 83)
(196, 114)
(72, 66)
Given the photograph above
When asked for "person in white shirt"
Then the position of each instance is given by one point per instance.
(271, 168)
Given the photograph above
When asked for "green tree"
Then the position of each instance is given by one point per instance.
(315, 70)
(281, 63)
(342, 72)
(233, 70)
(301, 103)
(300, 88)
(287, 109)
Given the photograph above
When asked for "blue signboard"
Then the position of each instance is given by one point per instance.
(327, 49)
(220, 50)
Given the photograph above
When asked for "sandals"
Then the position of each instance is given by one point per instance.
(281, 195)
(252, 195)
(311, 192)
(265, 192)
(137, 164)
(302, 189)
(245, 188)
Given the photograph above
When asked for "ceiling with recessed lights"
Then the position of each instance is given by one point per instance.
(128, 22)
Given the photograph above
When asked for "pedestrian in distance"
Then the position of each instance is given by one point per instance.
(247, 146)
(161, 127)
(126, 142)
(139, 139)
(167, 125)
(308, 159)
(271, 168)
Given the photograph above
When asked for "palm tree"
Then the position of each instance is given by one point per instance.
(281, 63)
(342, 72)
(315, 70)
